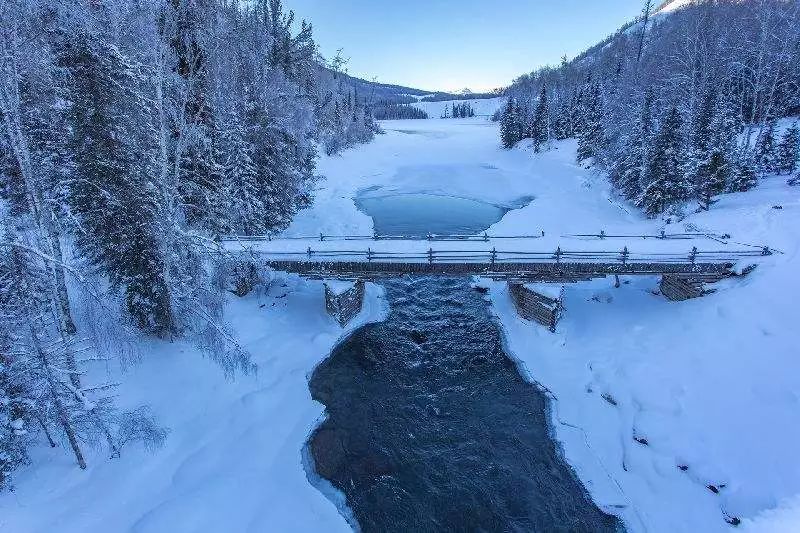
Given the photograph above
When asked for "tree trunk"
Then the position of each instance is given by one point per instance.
(10, 103)
(63, 416)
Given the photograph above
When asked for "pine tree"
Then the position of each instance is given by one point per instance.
(766, 151)
(701, 140)
(12, 187)
(630, 173)
(788, 151)
(110, 195)
(714, 174)
(743, 175)
(540, 128)
(509, 124)
(666, 182)
(562, 126)
(245, 205)
(592, 139)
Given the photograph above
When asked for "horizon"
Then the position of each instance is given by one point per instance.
(480, 57)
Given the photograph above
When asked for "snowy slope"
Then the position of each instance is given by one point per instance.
(711, 384)
(674, 5)
(483, 107)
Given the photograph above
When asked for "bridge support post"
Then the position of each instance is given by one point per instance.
(539, 302)
(677, 288)
(343, 299)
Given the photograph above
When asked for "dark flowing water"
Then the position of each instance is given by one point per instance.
(431, 427)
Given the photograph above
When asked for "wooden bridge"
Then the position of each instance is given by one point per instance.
(684, 272)
(556, 266)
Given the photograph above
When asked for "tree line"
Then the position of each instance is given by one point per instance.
(394, 111)
(675, 108)
(133, 135)
(462, 110)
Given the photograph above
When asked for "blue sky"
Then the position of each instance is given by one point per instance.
(450, 45)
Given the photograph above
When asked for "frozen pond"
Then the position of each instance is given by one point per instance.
(431, 427)
(417, 214)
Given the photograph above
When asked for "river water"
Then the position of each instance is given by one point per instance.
(431, 427)
(418, 214)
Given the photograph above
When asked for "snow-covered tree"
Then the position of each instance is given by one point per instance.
(766, 149)
(714, 177)
(629, 173)
(666, 183)
(592, 137)
(730, 69)
(540, 128)
(788, 150)
(743, 174)
(510, 124)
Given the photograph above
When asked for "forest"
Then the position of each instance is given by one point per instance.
(462, 110)
(677, 107)
(393, 111)
(134, 135)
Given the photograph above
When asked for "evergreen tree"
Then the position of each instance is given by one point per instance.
(540, 128)
(666, 182)
(714, 174)
(562, 125)
(245, 208)
(701, 140)
(743, 175)
(788, 151)
(510, 126)
(592, 138)
(766, 151)
(630, 172)
(12, 187)
(110, 195)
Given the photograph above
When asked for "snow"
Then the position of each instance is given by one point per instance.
(548, 290)
(338, 287)
(673, 6)
(710, 384)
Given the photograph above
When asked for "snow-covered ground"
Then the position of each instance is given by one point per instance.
(711, 384)
(233, 461)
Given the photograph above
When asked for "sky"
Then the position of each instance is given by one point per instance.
(455, 44)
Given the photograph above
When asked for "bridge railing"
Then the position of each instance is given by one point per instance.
(484, 237)
(493, 256)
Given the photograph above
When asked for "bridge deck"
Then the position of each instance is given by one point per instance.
(524, 271)
(506, 259)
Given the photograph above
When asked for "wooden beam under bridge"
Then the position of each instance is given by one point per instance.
(522, 271)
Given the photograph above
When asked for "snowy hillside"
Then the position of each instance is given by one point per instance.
(484, 107)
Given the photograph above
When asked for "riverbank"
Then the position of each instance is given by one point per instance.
(233, 457)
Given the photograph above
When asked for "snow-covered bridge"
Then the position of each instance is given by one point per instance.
(684, 267)
(520, 258)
